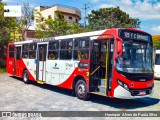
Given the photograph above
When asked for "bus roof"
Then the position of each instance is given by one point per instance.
(65, 36)
(93, 33)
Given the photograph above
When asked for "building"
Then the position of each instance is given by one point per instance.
(155, 36)
(30, 33)
(71, 14)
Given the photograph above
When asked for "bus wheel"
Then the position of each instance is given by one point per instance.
(25, 77)
(81, 90)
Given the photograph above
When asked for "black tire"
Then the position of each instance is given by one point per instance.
(81, 90)
(25, 77)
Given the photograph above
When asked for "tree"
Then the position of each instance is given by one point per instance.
(74, 28)
(7, 26)
(156, 42)
(26, 19)
(105, 18)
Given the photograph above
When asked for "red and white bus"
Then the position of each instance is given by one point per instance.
(114, 62)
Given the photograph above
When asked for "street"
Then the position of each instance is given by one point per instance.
(17, 96)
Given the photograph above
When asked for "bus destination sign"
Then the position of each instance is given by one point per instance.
(134, 35)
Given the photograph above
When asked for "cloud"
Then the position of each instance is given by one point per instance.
(106, 5)
(95, 1)
(127, 2)
(156, 28)
(144, 10)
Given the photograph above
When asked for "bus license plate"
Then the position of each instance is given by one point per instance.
(142, 93)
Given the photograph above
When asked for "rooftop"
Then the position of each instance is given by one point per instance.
(60, 6)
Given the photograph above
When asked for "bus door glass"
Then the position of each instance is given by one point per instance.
(101, 65)
(41, 62)
(17, 61)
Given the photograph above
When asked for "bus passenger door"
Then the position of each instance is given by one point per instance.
(10, 59)
(17, 61)
(101, 66)
(41, 62)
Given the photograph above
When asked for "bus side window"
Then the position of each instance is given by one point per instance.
(25, 51)
(11, 51)
(66, 49)
(53, 50)
(81, 48)
(32, 50)
(75, 51)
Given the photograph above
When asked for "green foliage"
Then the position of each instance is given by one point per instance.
(105, 18)
(2, 70)
(7, 25)
(156, 43)
(3, 56)
(74, 28)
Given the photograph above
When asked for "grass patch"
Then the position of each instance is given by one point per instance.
(2, 70)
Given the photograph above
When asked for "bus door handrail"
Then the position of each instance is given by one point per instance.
(95, 70)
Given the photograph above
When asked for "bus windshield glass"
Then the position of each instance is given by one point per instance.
(136, 57)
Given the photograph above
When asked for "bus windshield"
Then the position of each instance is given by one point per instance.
(136, 58)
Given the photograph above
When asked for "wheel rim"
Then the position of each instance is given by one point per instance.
(25, 77)
(81, 89)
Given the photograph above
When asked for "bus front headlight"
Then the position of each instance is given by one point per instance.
(125, 86)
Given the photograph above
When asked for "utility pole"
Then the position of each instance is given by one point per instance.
(85, 8)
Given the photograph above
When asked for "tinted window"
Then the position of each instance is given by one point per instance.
(53, 50)
(32, 50)
(11, 51)
(18, 53)
(81, 48)
(25, 51)
(66, 49)
(42, 52)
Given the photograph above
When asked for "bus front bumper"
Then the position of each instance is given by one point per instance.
(122, 93)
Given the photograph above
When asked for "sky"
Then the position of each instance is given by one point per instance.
(147, 11)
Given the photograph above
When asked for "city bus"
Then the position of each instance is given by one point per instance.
(116, 62)
(157, 64)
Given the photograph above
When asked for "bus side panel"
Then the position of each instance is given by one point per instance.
(10, 66)
(69, 81)
(23, 67)
(31, 66)
(157, 71)
(17, 67)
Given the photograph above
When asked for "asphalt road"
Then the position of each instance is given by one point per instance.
(17, 96)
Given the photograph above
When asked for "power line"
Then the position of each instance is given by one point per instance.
(85, 8)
